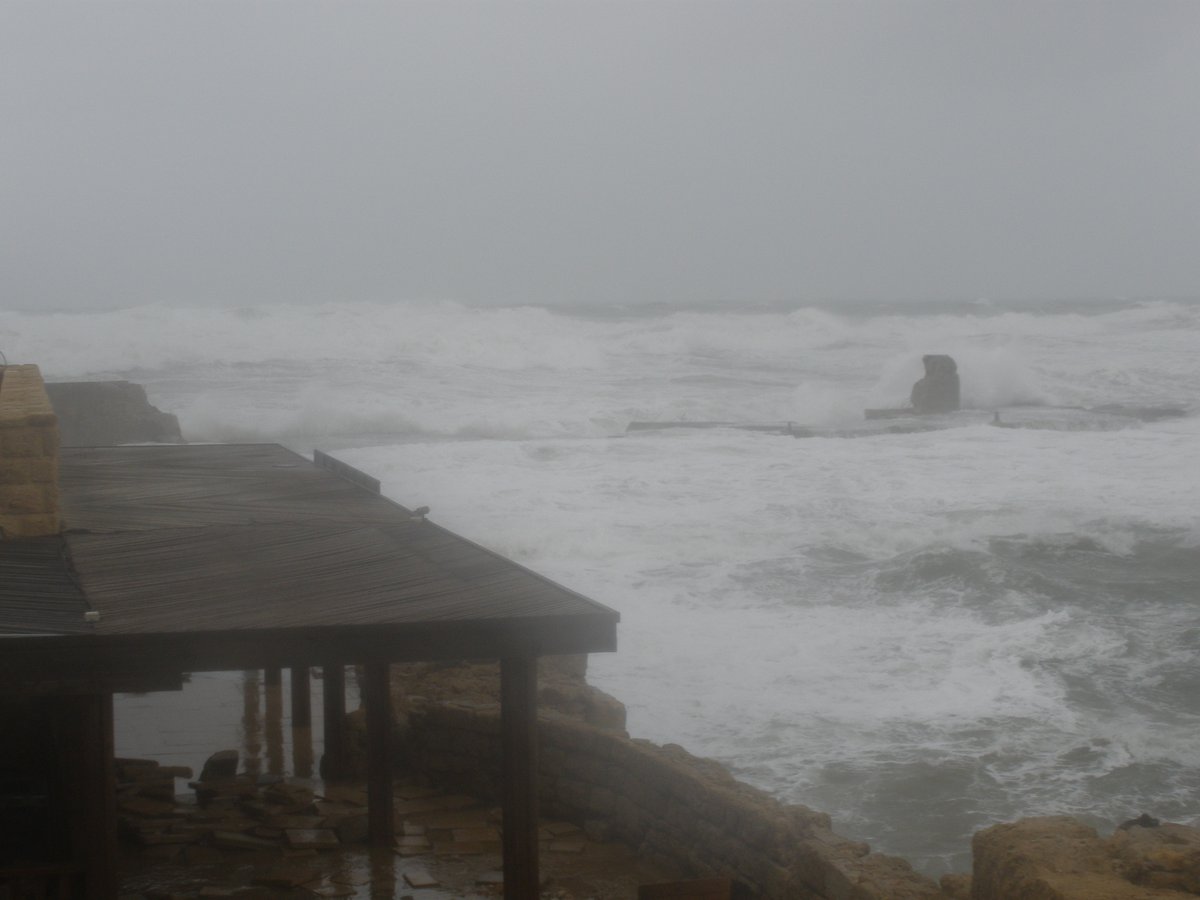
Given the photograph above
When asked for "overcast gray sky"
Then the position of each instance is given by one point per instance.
(239, 152)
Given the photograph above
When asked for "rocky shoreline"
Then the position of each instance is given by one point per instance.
(689, 816)
(619, 812)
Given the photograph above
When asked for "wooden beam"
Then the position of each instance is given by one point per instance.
(333, 691)
(377, 698)
(91, 656)
(518, 727)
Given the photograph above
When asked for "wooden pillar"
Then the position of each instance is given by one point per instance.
(302, 743)
(273, 719)
(91, 791)
(377, 697)
(518, 728)
(251, 722)
(333, 688)
(301, 698)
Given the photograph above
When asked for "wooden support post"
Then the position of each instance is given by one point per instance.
(302, 742)
(273, 720)
(377, 697)
(334, 714)
(518, 727)
(251, 723)
(301, 699)
(104, 797)
(273, 677)
(90, 782)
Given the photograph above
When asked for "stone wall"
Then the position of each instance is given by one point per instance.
(680, 812)
(28, 455)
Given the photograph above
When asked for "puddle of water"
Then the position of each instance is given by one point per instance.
(225, 711)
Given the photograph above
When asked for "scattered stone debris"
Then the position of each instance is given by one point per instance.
(260, 838)
(418, 877)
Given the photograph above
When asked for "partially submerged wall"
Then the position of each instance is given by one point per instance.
(678, 811)
(28, 455)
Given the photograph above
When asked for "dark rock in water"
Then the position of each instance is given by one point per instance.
(1145, 820)
(938, 391)
(222, 764)
(104, 413)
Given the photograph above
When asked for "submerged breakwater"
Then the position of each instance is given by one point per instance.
(921, 634)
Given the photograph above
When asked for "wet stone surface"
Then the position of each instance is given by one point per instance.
(269, 837)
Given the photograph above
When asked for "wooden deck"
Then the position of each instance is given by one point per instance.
(189, 558)
(37, 593)
(221, 556)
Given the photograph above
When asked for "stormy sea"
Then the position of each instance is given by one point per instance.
(921, 633)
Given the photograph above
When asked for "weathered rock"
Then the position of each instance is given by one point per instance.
(1159, 856)
(103, 413)
(938, 391)
(1059, 858)
(352, 830)
(221, 765)
(311, 838)
(229, 840)
(956, 886)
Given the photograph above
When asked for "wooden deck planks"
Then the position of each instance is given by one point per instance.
(200, 538)
(37, 593)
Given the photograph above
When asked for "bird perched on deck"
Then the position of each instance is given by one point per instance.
(419, 514)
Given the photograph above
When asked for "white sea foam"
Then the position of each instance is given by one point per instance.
(922, 633)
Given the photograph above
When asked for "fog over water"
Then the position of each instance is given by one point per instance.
(600, 152)
(464, 245)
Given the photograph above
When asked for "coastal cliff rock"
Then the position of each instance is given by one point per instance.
(105, 413)
(562, 688)
(682, 814)
(1059, 858)
(938, 391)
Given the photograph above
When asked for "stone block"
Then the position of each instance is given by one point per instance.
(15, 470)
(29, 525)
(50, 441)
(26, 499)
(42, 471)
(419, 877)
(21, 441)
